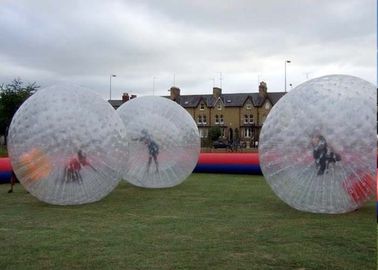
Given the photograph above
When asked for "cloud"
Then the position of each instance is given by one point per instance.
(86, 41)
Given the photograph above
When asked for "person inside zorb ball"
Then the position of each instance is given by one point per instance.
(67, 145)
(164, 142)
(318, 145)
(153, 149)
(323, 154)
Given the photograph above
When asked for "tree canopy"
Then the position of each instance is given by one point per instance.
(214, 133)
(12, 95)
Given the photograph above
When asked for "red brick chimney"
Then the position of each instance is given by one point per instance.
(125, 97)
(175, 93)
(217, 92)
(263, 89)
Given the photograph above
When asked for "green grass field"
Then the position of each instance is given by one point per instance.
(211, 221)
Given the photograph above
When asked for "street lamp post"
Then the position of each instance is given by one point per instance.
(286, 62)
(110, 89)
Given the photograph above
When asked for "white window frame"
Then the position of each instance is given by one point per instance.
(202, 132)
(223, 132)
(245, 119)
(199, 120)
(250, 118)
(202, 106)
(247, 132)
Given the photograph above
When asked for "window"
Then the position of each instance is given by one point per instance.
(203, 132)
(202, 106)
(267, 106)
(216, 119)
(202, 120)
(221, 119)
(219, 106)
(248, 106)
(247, 132)
(250, 120)
(245, 119)
(222, 132)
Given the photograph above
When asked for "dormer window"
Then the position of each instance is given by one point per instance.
(248, 106)
(228, 100)
(202, 106)
(186, 102)
(250, 120)
(219, 106)
(267, 106)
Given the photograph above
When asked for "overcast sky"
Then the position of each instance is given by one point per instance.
(83, 42)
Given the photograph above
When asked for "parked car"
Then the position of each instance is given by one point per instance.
(220, 144)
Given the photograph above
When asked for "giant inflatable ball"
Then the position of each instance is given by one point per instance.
(318, 145)
(67, 145)
(164, 142)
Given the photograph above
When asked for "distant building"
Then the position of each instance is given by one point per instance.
(239, 116)
(117, 103)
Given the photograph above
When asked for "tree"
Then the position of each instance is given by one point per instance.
(12, 95)
(214, 133)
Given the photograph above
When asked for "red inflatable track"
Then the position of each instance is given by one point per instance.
(5, 165)
(229, 158)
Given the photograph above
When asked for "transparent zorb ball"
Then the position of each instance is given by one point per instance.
(164, 142)
(318, 145)
(67, 145)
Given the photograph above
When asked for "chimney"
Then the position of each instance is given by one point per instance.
(217, 92)
(263, 89)
(175, 93)
(125, 97)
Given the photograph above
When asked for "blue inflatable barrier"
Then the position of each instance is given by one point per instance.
(5, 177)
(235, 163)
(228, 168)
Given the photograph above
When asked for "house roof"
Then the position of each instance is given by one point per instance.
(275, 96)
(229, 100)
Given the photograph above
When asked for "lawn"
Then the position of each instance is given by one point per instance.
(211, 221)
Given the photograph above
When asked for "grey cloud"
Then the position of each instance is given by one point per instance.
(85, 41)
